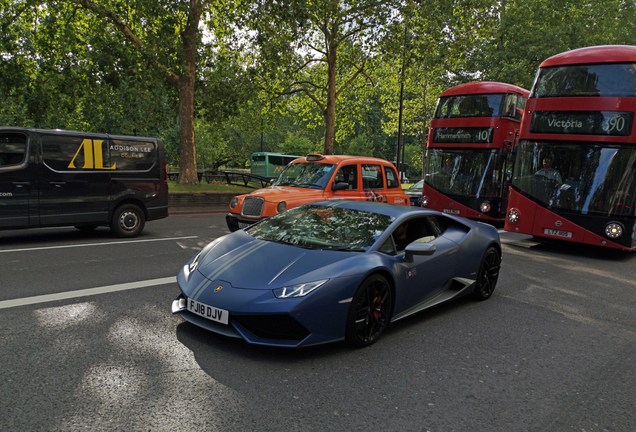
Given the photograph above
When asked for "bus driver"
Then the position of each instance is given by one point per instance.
(549, 172)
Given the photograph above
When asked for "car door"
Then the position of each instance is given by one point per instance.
(346, 184)
(425, 276)
(17, 177)
(74, 179)
(394, 193)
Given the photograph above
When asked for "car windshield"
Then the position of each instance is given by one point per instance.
(312, 175)
(417, 187)
(320, 227)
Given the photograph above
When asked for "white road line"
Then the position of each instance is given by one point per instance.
(6, 304)
(95, 244)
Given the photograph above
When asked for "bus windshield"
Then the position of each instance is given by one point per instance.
(476, 173)
(614, 79)
(581, 178)
(310, 175)
(478, 105)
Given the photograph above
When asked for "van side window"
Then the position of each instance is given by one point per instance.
(128, 155)
(391, 178)
(372, 176)
(13, 148)
(74, 153)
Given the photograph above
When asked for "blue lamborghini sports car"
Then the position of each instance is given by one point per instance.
(335, 270)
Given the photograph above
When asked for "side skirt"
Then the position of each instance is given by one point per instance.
(456, 287)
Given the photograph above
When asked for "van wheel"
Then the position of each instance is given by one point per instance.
(128, 221)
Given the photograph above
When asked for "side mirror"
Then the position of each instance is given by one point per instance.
(340, 186)
(418, 248)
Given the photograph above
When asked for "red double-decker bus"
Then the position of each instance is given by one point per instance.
(470, 142)
(575, 168)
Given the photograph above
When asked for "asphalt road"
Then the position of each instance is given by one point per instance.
(88, 343)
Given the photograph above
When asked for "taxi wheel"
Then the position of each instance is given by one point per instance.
(128, 221)
(370, 311)
(488, 274)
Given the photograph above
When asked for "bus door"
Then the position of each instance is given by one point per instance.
(74, 180)
(16, 180)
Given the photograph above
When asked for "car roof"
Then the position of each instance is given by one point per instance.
(336, 159)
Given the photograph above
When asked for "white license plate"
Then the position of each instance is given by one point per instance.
(451, 211)
(244, 224)
(557, 233)
(210, 312)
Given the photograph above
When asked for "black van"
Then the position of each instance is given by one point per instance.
(61, 178)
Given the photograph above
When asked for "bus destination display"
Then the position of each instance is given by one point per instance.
(463, 135)
(583, 122)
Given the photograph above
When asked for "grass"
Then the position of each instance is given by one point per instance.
(207, 187)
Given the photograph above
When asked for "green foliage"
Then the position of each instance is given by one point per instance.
(261, 72)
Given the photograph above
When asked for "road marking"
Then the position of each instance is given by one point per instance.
(6, 304)
(95, 244)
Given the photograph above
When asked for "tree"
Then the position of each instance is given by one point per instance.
(168, 36)
(318, 48)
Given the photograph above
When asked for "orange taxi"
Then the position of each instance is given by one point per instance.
(316, 178)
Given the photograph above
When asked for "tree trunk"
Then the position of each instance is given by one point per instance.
(187, 147)
(330, 110)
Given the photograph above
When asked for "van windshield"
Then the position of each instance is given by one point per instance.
(311, 175)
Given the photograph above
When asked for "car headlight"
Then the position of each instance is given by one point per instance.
(485, 207)
(234, 202)
(614, 230)
(299, 290)
(513, 215)
(282, 206)
(424, 201)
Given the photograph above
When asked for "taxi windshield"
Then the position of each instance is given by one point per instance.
(323, 227)
(311, 175)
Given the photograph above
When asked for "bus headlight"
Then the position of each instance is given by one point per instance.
(234, 202)
(485, 207)
(513, 215)
(614, 230)
(282, 206)
(424, 201)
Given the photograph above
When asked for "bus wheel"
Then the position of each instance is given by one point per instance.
(128, 221)
(488, 274)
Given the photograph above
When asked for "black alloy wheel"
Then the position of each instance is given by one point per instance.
(488, 274)
(370, 311)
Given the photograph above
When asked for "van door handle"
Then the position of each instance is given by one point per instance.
(57, 184)
(21, 185)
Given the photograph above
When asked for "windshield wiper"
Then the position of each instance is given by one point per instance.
(341, 248)
(311, 185)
